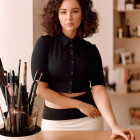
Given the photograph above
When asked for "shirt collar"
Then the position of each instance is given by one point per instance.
(64, 39)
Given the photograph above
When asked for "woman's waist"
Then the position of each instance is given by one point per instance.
(58, 113)
(73, 94)
(52, 105)
(82, 96)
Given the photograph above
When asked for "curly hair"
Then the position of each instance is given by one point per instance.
(51, 23)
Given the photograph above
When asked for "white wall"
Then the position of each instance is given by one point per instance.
(16, 33)
(104, 38)
(121, 104)
(37, 28)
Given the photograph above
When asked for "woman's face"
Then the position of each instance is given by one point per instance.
(70, 15)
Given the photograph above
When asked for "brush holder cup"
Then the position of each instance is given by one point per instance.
(18, 123)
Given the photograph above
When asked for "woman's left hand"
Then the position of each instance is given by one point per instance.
(127, 134)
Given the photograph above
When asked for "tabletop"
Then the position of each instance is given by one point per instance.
(70, 135)
(81, 135)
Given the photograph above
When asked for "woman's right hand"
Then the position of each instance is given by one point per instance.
(89, 110)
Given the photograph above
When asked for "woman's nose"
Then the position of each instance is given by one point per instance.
(69, 16)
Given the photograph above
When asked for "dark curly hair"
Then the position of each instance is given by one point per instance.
(51, 23)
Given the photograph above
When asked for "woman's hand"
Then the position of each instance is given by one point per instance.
(89, 110)
(125, 133)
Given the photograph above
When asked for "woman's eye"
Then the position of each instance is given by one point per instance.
(63, 12)
(75, 11)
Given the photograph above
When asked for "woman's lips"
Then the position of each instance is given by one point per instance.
(69, 24)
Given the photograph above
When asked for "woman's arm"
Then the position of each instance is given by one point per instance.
(50, 95)
(103, 103)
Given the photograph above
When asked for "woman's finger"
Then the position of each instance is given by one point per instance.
(125, 136)
(130, 133)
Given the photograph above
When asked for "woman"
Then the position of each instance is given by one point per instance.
(73, 83)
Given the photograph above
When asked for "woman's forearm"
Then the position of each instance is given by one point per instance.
(50, 95)
(104, 105)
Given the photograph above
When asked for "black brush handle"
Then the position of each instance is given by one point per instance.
(19, 95)
(33, 98)
(31, 92)
(3, 80)
(7, 98)
(18, 77)
(25, 99)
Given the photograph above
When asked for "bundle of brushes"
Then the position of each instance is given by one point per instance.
(19, 118)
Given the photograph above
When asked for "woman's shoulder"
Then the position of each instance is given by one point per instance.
(91, 48)
(89, 45)
(43, 42)
(44, 38)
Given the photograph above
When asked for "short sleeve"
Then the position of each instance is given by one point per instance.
(97, 68)
(39, 59)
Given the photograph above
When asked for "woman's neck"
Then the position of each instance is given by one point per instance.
(69, 34)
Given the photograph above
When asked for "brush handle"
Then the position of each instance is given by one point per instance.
(33, 98)
(19, 71)
(4, 120)
(31, 92)
(19, 96)
(25, 75)
(7, 98)
(3, 80)
(25, 99)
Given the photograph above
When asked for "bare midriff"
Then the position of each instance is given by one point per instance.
(52, 105)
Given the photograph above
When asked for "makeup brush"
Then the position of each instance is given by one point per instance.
(19, 113)
(12, 109)
(25, 99)
(4, 120)
(40, 77)
(6, 77)
(11, 90)
(32, 86)
(7, 98)
(3, 86)
(34, 89)
(3, 80)
(33, 95)
(32, 98)
(19, 97)
(25, 75)
(19, 70)
(13, 76)
(2, 77)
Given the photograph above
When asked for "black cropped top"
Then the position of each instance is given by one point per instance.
(68, 65)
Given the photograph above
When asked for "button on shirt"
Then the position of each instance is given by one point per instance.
(68, 65)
